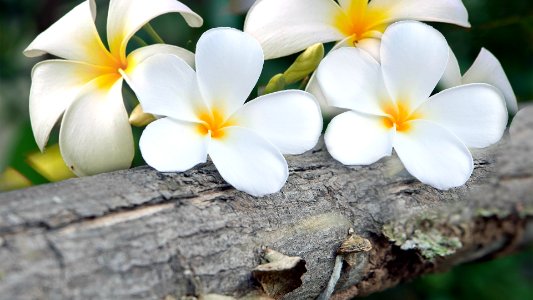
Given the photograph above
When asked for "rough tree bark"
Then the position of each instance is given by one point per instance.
(139, 234)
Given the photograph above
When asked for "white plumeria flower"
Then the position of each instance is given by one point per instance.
(205, 114)
(86, 87)
(285, 27)
(485, 69)
(390, 107)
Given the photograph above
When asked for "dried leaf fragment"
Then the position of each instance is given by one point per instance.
(355, 243)
(280, 274)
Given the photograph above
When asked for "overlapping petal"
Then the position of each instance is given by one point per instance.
(173, 146)
(139, 55)
(228, 65)
(434, 155)
(413, 58)
(313, 87)
(291, 120)
(55, 85)
(95, 135)
(284, 27)
(166, 85)
(126, 17)
(452, 75)
(351, 79)
(488, 69)
(249, 162)
(372, 46)
(446, 11)
(73, 37)
(475, 113)
(485, 69)
(358, 139)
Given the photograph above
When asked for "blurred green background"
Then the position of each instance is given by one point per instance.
(507, 278)
(503, 27)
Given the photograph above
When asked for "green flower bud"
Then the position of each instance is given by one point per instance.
(277, 83)
(305, 64)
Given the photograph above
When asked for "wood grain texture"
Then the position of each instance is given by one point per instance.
(140, 234)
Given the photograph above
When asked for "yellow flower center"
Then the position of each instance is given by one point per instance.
(360, 21)
(213, 123)
(110, 63)
(399, 115)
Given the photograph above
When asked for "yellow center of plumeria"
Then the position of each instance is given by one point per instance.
(359, 21)
(111, 63)
(213, 123)
(399, 115)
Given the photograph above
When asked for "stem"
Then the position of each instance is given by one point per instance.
(505, 22)
(153, 34)
(139, 41)
(335, 275)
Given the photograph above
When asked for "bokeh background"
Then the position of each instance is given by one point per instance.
(503, 27)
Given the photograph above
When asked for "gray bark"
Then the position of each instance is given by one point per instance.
(140, 234)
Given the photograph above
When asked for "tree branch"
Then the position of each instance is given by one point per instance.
(140, 234)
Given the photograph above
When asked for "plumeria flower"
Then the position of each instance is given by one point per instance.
(205, 114)
(86, 87)
(285, 27)
(485, 69)
(390, 107)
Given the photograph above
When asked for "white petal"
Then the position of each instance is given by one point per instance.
(345, 42)
(413, 58)
(291, 120)
(475, 113)
(55, 84)
(452, 75)
(351, 79)
(248, 162)
(313, 87)
(228, 65)
(166, 85)
(73, 37)
(173, 146)
(446, 11)
(286, 27)
(434, 155)
(140, 54)
(488, 69)
(372, 46)
(95, 135)
(358, 139)
(126, 17)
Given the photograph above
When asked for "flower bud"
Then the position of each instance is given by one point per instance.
(305, 64)
(139, 118)
(276, 84)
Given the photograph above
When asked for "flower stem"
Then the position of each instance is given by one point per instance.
(139, 41)
(153, 34)
(505, 22)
